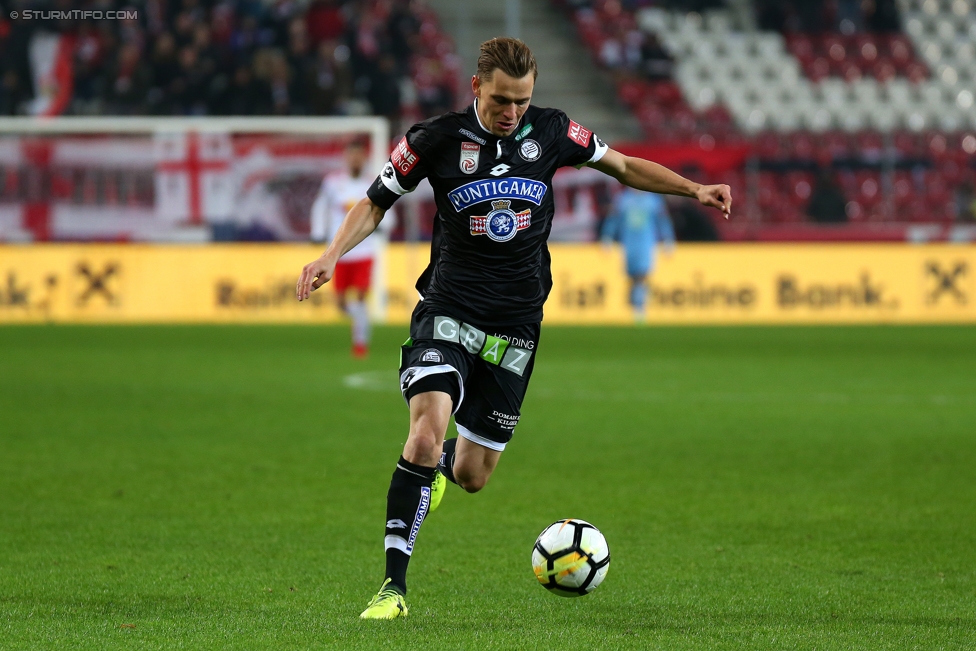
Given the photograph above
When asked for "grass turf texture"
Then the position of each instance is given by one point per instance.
(222, 487)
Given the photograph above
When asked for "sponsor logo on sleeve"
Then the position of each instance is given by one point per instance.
(484, 190)
(469, 134)
(404, 158)
(530, 150)
(502, 223)
(469, 157)
(578, 134)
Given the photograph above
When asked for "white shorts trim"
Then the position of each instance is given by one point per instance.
(395, 542)
(422, 372)
(480, 440)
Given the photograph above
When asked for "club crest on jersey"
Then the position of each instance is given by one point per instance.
(483, 190)
(502, 223)
(530, 150)
(470, 152)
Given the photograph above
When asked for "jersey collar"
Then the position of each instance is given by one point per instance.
(477, 118)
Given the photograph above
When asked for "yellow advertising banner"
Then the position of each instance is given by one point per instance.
(146, 283)
(716, 283)
(772, 283)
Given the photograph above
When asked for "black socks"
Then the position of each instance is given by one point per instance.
(407, 503)
(446, 464)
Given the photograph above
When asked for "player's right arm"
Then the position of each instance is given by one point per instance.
(362, 220)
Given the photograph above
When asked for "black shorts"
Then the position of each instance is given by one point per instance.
(490, 366)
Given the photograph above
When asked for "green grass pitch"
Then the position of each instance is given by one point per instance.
(224, 487)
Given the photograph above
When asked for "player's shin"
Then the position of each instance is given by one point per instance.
(407, 504)
(359, 315)
(446, 463)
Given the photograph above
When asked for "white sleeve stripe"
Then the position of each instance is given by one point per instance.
(390, 180)
(601, 150)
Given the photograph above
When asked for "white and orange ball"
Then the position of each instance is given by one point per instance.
(570, 558)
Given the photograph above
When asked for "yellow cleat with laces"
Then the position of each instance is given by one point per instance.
(387, 604)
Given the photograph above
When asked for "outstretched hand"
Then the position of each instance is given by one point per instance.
(717, 196)
(314, 275)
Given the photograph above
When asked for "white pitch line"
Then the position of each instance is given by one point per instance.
(371, 381)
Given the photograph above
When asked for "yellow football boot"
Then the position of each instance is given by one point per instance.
(387, 604)
(437, 489)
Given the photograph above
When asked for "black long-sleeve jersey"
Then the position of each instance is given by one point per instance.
(489, 261)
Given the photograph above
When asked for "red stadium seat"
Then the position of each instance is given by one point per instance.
(833, 145)
(869, 188)
(883, 69)
(904, 189)
(819, 69)
(800, 185)
(632, 92)
(801, 46)
(907, 144)
(802, 145)
(769, 145)
(855, 211)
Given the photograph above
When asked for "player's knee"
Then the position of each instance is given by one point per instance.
(470, 482)
(423, 441)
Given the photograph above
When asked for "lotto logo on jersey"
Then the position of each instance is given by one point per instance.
(403, 158)
(502, 223)
(578, 134)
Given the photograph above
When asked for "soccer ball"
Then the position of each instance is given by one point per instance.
(570, 558)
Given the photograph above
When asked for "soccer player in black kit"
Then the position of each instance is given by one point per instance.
(475, 333)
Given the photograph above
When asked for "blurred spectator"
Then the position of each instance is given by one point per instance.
(966, 200)
(435, 93)
(655, 61)
(827, 202)
(817, 16)
(243, 57)
(242, 95)
(129, 82)
(14, 93)
(189, 89)
(331, 79)
(16, 84)
(881, 15)
(165, 71)
(326, 20)
(281, 86)
(384, 88)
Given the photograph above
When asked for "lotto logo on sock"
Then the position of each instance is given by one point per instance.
(396, 524)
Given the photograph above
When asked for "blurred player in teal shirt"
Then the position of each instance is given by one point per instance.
(639, 221)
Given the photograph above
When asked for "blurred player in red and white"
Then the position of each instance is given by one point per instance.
(339, 193)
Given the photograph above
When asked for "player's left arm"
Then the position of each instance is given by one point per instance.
(646, 175)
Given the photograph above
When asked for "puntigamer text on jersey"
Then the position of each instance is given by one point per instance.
(485, 190)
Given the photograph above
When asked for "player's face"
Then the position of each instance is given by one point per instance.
(502, 100)
(355, 159)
